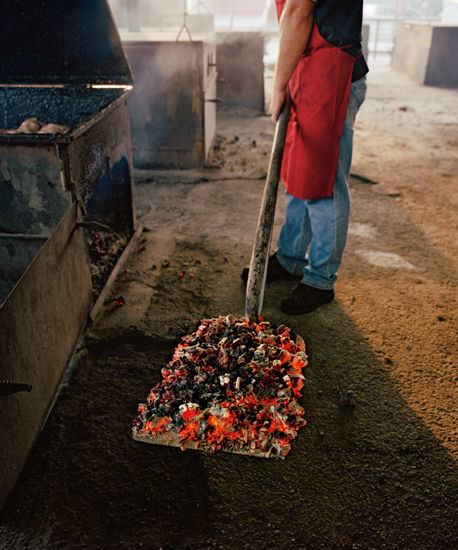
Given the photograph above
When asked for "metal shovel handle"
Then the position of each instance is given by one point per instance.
(260, 254)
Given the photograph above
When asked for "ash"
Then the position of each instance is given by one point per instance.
(232, 385)
(104, 252)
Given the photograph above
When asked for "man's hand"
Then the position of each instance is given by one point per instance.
(277, 101)
(295, 28)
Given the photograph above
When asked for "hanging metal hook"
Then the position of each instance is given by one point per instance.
(184, 26)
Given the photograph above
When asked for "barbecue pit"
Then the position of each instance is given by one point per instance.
(73, 73)
(61, 63)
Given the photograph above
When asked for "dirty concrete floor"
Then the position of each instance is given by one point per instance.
(379, 476)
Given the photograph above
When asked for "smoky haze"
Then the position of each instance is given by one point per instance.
(139, 18)
(253, 13)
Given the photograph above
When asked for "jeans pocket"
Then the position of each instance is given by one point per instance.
(357, 96)
(358, 90)
(361, 88)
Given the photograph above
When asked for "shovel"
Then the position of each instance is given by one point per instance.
(260, 255)
(257, 272)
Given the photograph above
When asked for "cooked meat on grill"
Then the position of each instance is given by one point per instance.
(34, 126)
(29, 126)
(52, 128)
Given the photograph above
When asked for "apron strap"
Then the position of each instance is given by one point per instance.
(349, 46)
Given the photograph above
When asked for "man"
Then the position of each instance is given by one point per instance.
(320, 59)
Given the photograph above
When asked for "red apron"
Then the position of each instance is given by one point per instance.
(320, 90)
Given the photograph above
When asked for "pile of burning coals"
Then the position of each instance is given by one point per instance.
(232, 385)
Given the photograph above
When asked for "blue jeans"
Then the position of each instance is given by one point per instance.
(313, 236)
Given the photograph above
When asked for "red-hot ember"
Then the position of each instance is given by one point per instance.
(119, 302)
(96, 245)
(232, 385)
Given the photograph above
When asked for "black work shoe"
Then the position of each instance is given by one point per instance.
(305, 299)
(275, 272)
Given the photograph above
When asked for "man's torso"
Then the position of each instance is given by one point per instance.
(339, 22)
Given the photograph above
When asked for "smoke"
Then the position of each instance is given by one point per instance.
(135, 15)
(166, 106)
(171, 80)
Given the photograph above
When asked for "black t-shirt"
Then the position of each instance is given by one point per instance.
(340, 22)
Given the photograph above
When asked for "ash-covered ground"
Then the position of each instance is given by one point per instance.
(379, 475)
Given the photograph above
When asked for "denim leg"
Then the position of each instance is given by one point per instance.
(321, 224)
(295, 235)
(329, 221)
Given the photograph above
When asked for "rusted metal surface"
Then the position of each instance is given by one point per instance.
(172, 113)
(40, 322)
(97, 117)
(32, 199)
(52, 79)
(46, 183)
(100, 162)
(40, 175)
(241, 69)
(260, 254)
(16, 253)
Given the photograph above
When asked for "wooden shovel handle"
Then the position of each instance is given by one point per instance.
(260, 255)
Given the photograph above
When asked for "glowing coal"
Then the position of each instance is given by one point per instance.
(232, 385)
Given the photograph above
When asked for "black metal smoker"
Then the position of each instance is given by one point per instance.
(61, 62)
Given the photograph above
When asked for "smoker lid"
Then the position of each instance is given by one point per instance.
(60, 42)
